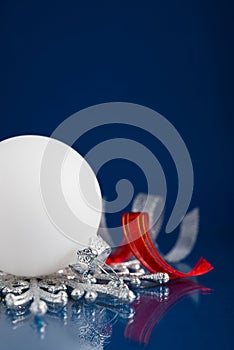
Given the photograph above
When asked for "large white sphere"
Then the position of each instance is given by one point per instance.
(34, 238)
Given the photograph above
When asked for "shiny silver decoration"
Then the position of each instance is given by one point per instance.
(33, 293)
(40, 294)
(116, 289)
(89, 278)
(134, 275)
(90, 322)
(91, 258)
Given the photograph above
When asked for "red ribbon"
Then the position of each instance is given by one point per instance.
(137, 242)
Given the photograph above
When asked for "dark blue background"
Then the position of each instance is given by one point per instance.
(176, 57)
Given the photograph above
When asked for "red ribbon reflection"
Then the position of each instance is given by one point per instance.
(149, 310)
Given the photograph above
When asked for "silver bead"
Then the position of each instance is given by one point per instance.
(163, 277)
(39, 308)
(136, 266)
(135, 282)
(77, 293)
(91, 296)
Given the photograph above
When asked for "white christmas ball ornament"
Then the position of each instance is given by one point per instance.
(45, 215)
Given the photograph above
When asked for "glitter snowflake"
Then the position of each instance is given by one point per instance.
(39, 293)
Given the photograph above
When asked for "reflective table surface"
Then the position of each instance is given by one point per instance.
(184, 314)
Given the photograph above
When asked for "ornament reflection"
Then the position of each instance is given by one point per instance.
(91, 323)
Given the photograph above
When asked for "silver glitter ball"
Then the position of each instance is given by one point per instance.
(135, 282)
(91, 296)
(164, 277)
(77, 293)
(38, 308)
